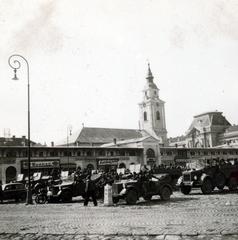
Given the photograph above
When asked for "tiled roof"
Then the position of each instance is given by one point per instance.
(134, 140)
(106, 135)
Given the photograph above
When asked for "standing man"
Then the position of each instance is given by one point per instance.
(1, 193)
(90, 191)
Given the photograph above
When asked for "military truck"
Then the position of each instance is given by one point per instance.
(65, 191)
(132, 189)
(208, 175)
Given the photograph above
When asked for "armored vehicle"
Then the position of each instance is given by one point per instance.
(66, 190)
(132, 189)
(209, 175)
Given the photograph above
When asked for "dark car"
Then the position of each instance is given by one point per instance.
(66, 190)
(16, 191)
(132, 189)
(210, 177)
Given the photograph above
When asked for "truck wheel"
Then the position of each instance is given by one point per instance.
(66, 196)
(220, 181)
(232, 184)
(115, 200)
(186, 189)
(165, 193)
(41, 199)
(131, 197)
(207, 186)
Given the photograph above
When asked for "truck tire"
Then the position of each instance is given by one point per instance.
(131, 197)
(207, 186)
(220, 181)
(41, 199)
(66, 196)
(232, 184)
(165, 193)
(186, 189)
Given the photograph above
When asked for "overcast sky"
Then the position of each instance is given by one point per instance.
(88, 62)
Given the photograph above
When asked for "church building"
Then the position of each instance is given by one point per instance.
(151, 135)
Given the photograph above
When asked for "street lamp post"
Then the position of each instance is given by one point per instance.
(14, 62)
(69, 133)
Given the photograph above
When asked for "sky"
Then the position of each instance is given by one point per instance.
(88, 62)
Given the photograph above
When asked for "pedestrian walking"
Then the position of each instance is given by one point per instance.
(90, 191)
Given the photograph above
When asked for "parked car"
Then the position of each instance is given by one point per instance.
(132, 189)
(16, 191)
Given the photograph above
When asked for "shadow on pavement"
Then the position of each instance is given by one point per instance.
(216, 192)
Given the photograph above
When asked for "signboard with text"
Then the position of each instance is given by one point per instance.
(108, 161)
(40, 164)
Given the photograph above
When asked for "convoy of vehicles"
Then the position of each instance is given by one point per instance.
(208, 175)
(204, 174)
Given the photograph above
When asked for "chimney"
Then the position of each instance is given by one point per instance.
(52, 144)
(115, 141)
(24, 140)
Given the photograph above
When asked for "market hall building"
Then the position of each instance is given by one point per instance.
(92, 147)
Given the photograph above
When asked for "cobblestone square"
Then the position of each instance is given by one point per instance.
(194, 216)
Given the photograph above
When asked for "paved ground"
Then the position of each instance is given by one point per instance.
(194, 216)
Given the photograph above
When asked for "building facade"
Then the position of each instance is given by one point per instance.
(13, 159)
(210, 129)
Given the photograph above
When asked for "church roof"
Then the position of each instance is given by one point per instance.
(106, 135)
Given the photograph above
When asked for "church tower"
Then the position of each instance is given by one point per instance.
(152, 114)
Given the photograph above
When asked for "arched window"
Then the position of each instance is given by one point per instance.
(122, 165)
(157, 115)
(90, 166)
(150, 153)
(11, 174)
(145, 116)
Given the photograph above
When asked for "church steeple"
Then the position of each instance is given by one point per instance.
(152, 113)
(149, 75)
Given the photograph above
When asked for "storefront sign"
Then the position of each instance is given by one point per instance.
(40, 164)
(108, 161)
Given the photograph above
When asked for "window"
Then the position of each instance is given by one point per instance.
(89, 153)
(101, 153)
(150, 153)
(145, 116)
(157, 115)
(132, 153)
(169, 153)
(78, 153)
(192, 153)
(122, 165)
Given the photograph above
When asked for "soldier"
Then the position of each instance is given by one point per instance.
(1, 193)
(90, 191)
